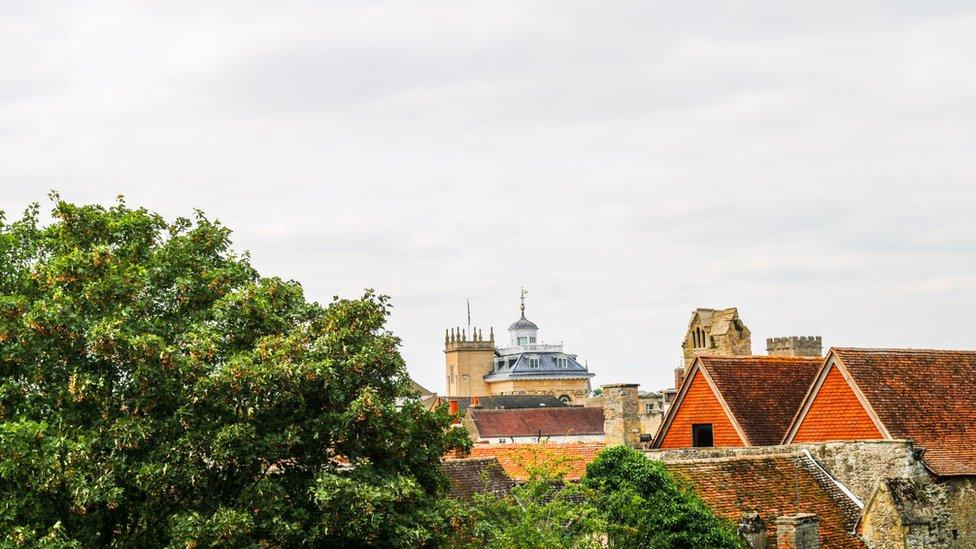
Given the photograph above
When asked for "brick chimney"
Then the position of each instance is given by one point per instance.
(452, 407)
(679, 377)
(799, 531)
(753, 530)
(621, 414)
(795, 346)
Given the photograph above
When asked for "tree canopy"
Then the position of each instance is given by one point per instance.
(155, 390)
(645, 506)
(623, 500)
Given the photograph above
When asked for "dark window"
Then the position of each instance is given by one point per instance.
(701, 435)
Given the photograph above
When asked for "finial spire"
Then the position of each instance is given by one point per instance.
(524, 291)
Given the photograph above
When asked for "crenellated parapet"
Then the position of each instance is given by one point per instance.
(795, 346)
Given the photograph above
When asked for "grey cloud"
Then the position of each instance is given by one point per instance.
(626, 161)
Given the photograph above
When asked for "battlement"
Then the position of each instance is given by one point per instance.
(795, 346)
(457, 339)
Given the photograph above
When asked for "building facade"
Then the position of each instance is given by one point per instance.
(477, 367)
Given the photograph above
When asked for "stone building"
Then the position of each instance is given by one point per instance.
(715, 332)
(477, 367)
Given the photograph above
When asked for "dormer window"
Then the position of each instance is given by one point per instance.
(533, 363)
(562, 362)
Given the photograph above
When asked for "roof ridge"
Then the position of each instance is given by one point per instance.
(736, 457)
(902, 350)
(470, 458)
(760, 357)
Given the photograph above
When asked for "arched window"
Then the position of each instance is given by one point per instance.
(566, 399)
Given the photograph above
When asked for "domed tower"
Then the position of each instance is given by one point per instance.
(523, 331)
(529, 367)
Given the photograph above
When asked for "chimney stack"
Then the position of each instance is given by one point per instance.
(795, 346)
(475, 402)
(679, 377)
(452, 406)
(752, 530)
(799, 531)
(621, 414)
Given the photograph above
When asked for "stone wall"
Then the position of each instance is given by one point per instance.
(905, 504)
(961, 499)
(576, 389)
(858, 465)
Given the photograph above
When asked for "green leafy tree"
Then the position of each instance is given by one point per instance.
(545, 511)
(645, 506)
(155, 390)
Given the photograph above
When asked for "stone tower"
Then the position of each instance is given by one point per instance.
(795, 346)
(715, 332)
(468, 360)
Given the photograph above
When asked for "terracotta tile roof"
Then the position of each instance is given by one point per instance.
(927, 396)
(773, 485)
(762, 392)
(569, 458)
(537, 421)
(472, 476)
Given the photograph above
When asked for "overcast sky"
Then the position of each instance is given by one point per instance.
(626, 162)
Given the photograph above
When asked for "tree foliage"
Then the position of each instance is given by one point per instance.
(155, 390)
(624, 500)
(645, 506)
(545, 511)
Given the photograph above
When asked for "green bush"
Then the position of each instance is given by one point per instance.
(644, 506)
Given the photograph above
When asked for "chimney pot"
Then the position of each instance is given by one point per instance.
(752, 530)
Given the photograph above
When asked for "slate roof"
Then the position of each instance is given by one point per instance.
(762, 392)
(505, 402)
(532, 422)
(569, 458)
(523, 323)
(928, 396)
(773, 485)
(547, 367)
(478, 475)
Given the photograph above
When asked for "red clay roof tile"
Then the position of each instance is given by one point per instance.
(773, 485)
(538, 421)
(762, 392)
(925, 395)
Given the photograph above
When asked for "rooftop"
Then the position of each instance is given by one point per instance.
(762, 392)
(570, 458)
(925, 395)
(478, 475)
(507, 402)
(773, 486)
(537, 422)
